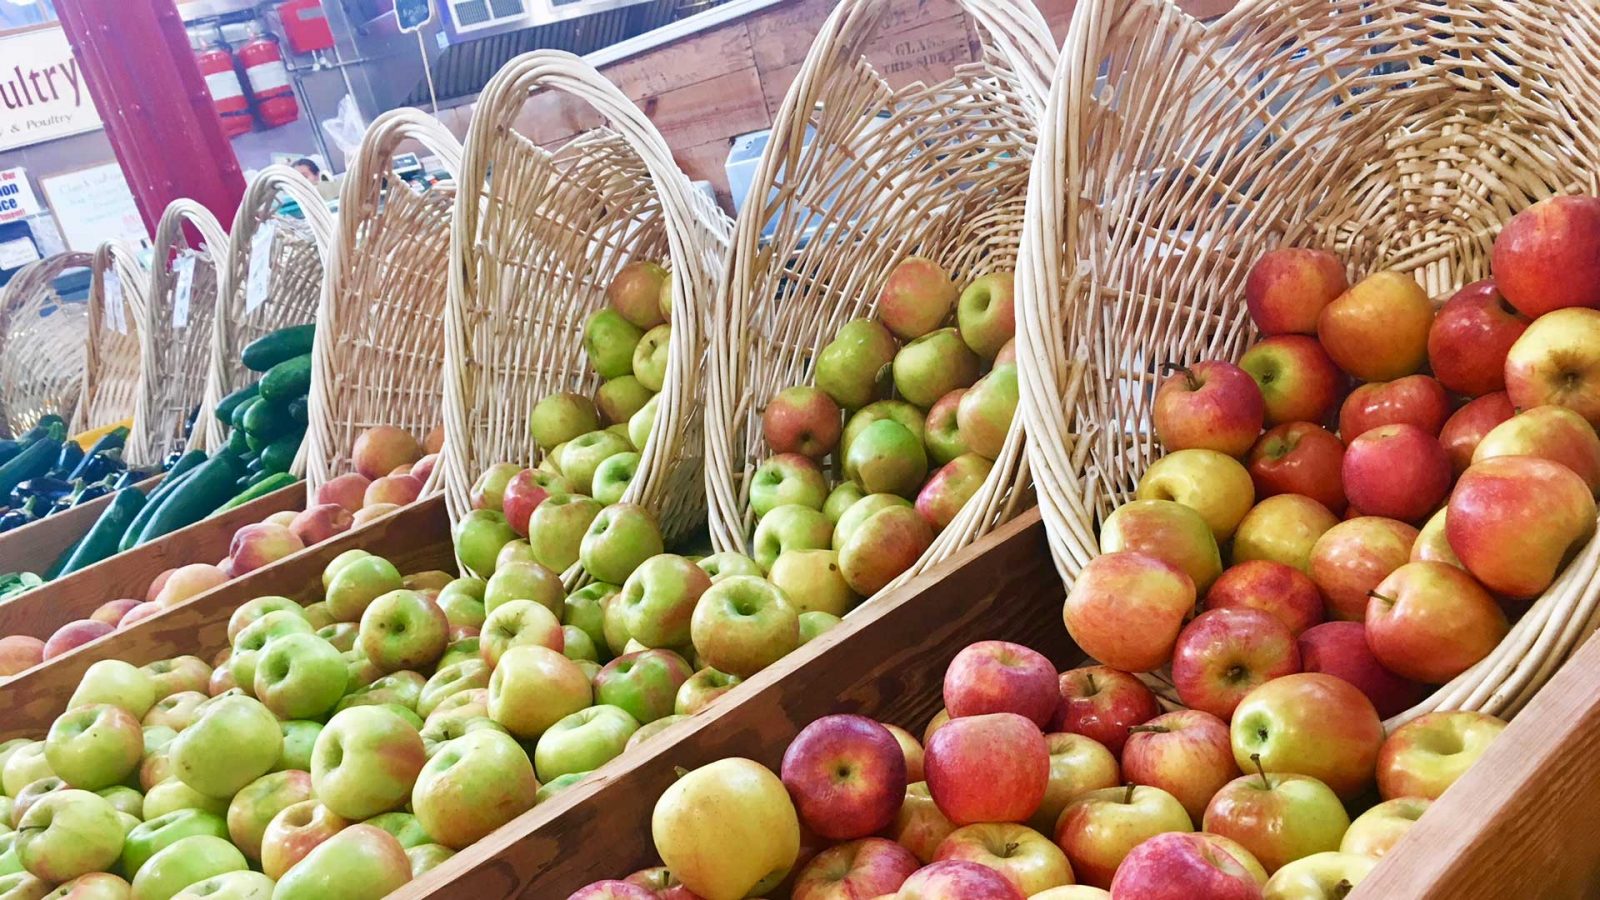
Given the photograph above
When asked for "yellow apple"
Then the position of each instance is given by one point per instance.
(727, 830)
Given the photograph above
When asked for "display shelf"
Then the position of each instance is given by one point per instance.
(34, 546)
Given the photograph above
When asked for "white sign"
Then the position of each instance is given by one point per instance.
(94, 206)
(259, 280)
(17, 201)
(115, 311)
(183, 268)
(18, 253)
(43, 94)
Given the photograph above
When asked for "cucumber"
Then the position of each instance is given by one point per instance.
(105, 534)
(169, 482)
(288, 379)
(268, 350)
(266, 419)
(278, 456)
(234, 400)
(242, 410)
(236, 442)
(262, 487)
(298, 409)
(207, 487)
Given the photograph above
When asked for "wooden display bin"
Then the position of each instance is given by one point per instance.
(34, 546)
(414, 538)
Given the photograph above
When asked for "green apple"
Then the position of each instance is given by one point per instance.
(727, 829)
(404, 826)
(473, 785)
(359, 863)
(840, 499)
(641, 422)
(399, 689)
(744, 624)
(621, 537)
(942, 432)
(609, 340)
(294, 832)
(557, 527)
(299, 736)
(650, 357)
(888, 543)
(478, 538)
(117, 683)
(788, 528)
(651, 729)
(247, 647)
(1278, 817)
(812, 581)
(986, 313)
(658, 599)
(337, 564)
(365, 762)
(556, 785)
(172, 795)
(618, 399)
(577, 645)
(363, 580)
(342, 635)
(442, 729)
(181, 673)
(186, 862)
(462, 676)
(254, 609)
(427, 857)
(728, 563)
(462, 602)
(620, 429)
(229, 886)
(67, 834)
(258, 802)
(317, 614)
(22, 886)
(299, 676)
(664, 298)
(93, 886)
(520, 623)
(459, 650)
(94, 747)
(403, 630)
(121, 797)
(644, 685)
(149, 838)
(9, 863)
(787, 478)
(814, 623)
(933, 365)
(235, 741)
(893, 410)
(534, 687)
(525, 581)
(853, 368)
(559, 418)
(985, 412)
(613, 476)
(489, 489)
(583, 741)
(885, 457)
(585, 608)
(25, 765)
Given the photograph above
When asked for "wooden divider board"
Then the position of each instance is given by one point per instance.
(415, 538)
(34, 546)
(42, 610)
(887, 660)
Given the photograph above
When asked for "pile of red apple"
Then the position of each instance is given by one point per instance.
(1061, 787)
(391, 468)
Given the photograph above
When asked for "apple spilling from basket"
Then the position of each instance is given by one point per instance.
(1034, 784)
(336, 749)
(391, 468)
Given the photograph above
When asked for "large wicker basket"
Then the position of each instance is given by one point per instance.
(532, 252)
(41, 368)
(117, 287)
(273, 279)
(175, 334)
(379, 353)
(1174, 153)
(856, 177)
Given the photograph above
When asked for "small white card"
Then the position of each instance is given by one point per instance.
(259, 279)
(116, 312)
(184, 269)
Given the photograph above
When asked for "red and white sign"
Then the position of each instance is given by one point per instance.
(43, 94)
(17, 201)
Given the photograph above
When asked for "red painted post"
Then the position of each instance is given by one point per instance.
(135, 57)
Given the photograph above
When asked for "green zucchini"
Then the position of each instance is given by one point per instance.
(104, 536)
(32, 462)
(267, 419)
(176, 476)
(54, 571)
(268, 350)
(265, 485)
(288, 379)
(234, 400)
(279, 455)
(207, 487)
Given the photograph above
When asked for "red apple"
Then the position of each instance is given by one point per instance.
(611, 889)
(1125, 609)
(1427, 754)
(1210, 405)
(967, 785)
(1351, 558)
(999, 676)
(869, 867)
(73, 635)
(957, 879)
(1224, 653)
(1310, 724)
(802, 420)
(1396, 471)
(1378, 329)
(1433, 545)
(1103, 703)
(1299, 458)
(1098, 829)
(525, 491)
(1029, 860)
(847, 776)
(1430, 622)
(1467, 426)
(1288, 286)
(1548, 432)
(1547, 257)
(1271, 587)
(19, 653)
(1181, 866)
(1340, 649)
(1514, 521)
(1557, 360)
(1470, 338)
(1414, 400)
(1185, 753)
(1299, 383)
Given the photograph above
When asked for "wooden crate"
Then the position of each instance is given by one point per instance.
(414, 538)
(34, 546)
(42, 610)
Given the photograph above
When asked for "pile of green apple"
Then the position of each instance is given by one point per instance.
(1031, 783)
(893, 439)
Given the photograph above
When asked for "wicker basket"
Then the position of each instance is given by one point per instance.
(175, 334)
(286, 255)
(117, 288)
(857, 177)
(1174, 153)
(379, 354)
(41, 368)
(532, 252)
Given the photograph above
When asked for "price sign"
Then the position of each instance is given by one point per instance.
(259, 279)
(413, 14)
(116, 312)
(184, 270)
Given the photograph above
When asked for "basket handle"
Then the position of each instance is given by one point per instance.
(119, 258)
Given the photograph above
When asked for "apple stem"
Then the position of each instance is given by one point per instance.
(1377, 596)
(1265, 781)
(1342, 889)
(1011, 848)
(679, 771)
(1188, 374)
(1128, 797)
(1149, 729)
(1089, 677)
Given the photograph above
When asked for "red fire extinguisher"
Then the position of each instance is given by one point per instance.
(227, 94)
(268, 78)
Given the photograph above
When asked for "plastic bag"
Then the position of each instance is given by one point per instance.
(346, 129)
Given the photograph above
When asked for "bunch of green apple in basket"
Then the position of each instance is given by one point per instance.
(1061, 786)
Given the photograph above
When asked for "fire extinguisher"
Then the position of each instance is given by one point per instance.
(268, 78)
(227, 94)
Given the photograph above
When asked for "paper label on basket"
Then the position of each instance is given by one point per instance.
(260, 276)
(184, 270)
(116, 313)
